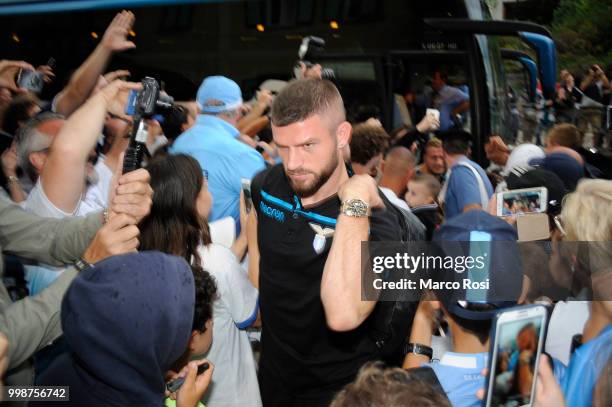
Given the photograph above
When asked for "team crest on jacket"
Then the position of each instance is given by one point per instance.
(321, 234)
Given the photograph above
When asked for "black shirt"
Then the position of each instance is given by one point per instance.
(296, 341)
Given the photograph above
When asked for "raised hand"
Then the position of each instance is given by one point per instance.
(115, 37)
(8, 73)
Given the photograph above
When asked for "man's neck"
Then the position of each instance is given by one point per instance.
(465, 342)
(596, 323)
(338, 177)
(451, 159)
(392, 184)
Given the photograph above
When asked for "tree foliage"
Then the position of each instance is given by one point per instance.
(583, 33)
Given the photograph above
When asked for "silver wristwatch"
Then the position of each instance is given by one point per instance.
(355, 208)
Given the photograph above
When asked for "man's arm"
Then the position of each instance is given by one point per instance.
(341, 281)
(253, 248)
(33, 322)
(49, 241)
(86, 77)
(63, 175)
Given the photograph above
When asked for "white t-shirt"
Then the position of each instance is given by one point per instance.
(568, 319)
(95, 199)
(235, 380)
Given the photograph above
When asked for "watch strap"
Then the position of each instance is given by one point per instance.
(418, 349)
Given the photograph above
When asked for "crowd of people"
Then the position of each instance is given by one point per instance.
(231, 260)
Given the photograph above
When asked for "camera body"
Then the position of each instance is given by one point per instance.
(149, 101)
(310, 47)
(143, 104)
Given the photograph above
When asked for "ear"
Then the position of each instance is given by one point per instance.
(193, 339)
(38, 160)
(343, 134)
(209, 324)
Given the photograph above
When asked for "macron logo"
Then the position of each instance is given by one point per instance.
(273, 213)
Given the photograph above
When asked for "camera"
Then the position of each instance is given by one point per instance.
(312, 46)
(149, 101)
(143, 104)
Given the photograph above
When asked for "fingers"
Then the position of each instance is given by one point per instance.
(120, 221)
(121, 73)
(138, 176)
(137, 211)
(135, 187)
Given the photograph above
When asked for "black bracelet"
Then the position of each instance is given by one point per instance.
(418, 349)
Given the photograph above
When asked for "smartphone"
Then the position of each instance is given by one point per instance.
(517, 337)
(521, 201)
(246, 190)
(176, 384)
(30, 80)
(433, 112)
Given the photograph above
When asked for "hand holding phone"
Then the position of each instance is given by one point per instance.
(517, 337)
(176, 384)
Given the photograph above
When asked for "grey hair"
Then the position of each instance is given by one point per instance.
(29, 139)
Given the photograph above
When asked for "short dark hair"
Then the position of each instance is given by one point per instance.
(304, 98)
(456, 142)
(376, 386)
(367, 142)
(205, 296)
(18, 111)
(479, 328)
(173, 121)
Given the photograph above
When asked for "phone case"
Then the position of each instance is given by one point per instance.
(492, 341)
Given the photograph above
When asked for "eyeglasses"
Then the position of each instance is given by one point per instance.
(559, 224)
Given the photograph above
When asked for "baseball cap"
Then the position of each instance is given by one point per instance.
(521, 177)
(564, 166)
(218, 94)
(478, 234)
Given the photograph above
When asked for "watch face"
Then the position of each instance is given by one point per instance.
(356, 207)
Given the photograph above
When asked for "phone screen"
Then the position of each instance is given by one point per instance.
(521, 201)
(518, 344)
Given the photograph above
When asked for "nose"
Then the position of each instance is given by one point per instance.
(294, 159)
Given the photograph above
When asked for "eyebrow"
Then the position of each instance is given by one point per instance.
(308, 141)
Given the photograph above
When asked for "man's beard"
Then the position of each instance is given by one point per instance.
(308, 189)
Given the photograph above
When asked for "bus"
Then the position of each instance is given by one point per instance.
(379, 50)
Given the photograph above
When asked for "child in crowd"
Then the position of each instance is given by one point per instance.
(422, 197)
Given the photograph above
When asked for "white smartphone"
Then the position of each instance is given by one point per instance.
(521, 201)
(433, 112)
(517, 337)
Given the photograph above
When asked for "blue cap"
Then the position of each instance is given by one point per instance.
(218, 94)
(477, 233)
(566, 167)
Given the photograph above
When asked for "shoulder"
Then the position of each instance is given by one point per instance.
(216, 254)
(269, 177)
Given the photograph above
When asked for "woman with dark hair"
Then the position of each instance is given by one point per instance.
(177, 225)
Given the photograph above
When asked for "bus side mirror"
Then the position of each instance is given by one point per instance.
(547, 60)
